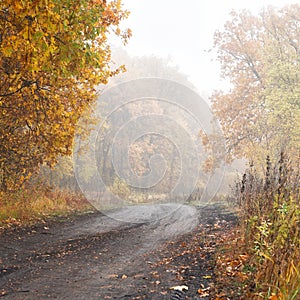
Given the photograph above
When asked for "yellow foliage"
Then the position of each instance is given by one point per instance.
(52, 55)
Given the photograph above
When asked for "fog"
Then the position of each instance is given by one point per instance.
(184, 31)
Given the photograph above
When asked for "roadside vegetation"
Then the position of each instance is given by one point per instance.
(30, 205)
(268, 236)
(260, 117)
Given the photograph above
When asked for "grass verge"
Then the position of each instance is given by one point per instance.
(29, 205)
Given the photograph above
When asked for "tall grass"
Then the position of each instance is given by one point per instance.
(31, 203)
(270, 212)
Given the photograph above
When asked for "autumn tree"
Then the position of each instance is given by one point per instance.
(52, 55)
(165, 138)
(260, 55)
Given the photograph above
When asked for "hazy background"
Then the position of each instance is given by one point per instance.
(183, 31)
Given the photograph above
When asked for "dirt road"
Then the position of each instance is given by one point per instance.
(93, 256)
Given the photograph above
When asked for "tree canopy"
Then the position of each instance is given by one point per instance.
(260, 55)
(52, 55)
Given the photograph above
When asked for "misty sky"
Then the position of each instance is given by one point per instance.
(183, 30)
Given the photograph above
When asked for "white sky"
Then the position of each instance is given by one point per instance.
(184, 31)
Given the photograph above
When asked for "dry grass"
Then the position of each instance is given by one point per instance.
(270, 207)
(29, 205)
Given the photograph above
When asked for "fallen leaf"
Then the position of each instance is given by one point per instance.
(179, 288)
(179, 277)
(220, 296)
(202, 294)
(243, 257)
(203, 290)
(229, 269)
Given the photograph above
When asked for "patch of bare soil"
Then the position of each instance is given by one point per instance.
(96, 257)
